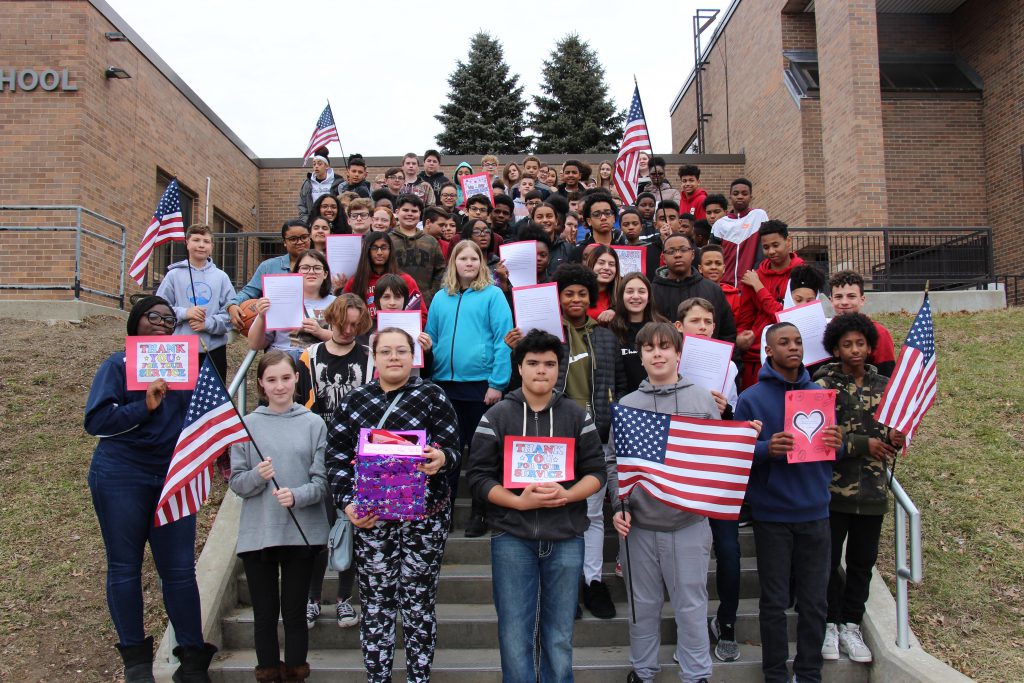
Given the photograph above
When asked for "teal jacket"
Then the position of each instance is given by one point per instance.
(468, 331)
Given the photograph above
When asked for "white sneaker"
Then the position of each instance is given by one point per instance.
(346, 614)
(852, 643)
(830, 648)
(312, 612)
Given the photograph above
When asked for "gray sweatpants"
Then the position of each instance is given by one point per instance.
(677, 560)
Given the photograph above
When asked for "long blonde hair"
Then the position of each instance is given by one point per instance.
(451, 275)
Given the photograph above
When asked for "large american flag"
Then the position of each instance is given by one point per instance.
(701, 466)
(325, 133)
(911, 390)
(211, 425)
(634, 141)
(166, 226)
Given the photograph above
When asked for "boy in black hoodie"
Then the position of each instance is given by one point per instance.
(679, 281)
(537, 549)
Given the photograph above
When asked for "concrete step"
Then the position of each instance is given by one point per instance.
(591, 665)
(476, 626)
(471, 583)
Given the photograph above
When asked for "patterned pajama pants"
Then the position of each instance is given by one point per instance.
(398, 567)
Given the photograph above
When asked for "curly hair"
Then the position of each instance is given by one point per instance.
(849, 322)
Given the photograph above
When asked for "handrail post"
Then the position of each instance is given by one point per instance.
(905, 512)
(78, 253)
(124, 255)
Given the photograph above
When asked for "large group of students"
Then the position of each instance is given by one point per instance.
(715, 267)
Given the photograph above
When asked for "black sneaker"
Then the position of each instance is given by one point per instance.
(633, 678)
(477, 526)
(598, 601)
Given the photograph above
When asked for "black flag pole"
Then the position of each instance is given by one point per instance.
(277, 487)
(340, 146)
(629, 565)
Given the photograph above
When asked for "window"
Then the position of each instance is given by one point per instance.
(918, 73)
(691, 145)
(225, 245)
(166, 254)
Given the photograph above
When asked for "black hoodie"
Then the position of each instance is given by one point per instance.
(563, 417)
(669, 293)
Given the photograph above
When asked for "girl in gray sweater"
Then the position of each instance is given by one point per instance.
(292, 440)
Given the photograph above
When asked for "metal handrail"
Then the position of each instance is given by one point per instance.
(905, 510)
(238, 383)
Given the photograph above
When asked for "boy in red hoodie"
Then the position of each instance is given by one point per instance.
(691, 194)
(763, 292)
(737, 233)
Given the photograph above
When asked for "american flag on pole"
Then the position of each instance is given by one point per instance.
(634, 141)
(211, 425)
(911, 390)
(166, 226)
(325, 133)
(701, 466)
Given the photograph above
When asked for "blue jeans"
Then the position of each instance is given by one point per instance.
(125, 499)
(536, 588)
(726, 536)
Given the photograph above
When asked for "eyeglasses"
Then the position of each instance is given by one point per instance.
(380, 247)
(534, 202)
(359, 215)
(400, 352)
(677, 250)
(297, 239)
(477, 209)
(606, 213)
(653, 173)
(396, 177)
(311, 269)
(477, 232)
(165, 320)
(448, 195)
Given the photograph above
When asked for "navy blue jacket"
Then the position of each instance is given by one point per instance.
(778, 491)
(128, 432)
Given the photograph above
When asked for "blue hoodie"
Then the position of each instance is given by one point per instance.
(213, 291)
(778, 491)
(468, 331)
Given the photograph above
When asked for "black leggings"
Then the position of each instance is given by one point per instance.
(285, 594)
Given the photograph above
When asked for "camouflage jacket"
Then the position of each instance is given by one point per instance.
(858, 480)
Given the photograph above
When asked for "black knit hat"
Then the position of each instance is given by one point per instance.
(140, 309)
(322, 152)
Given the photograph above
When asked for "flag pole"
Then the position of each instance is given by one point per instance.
(629, 565)
(273, 480)
(340, 146)
(661, 198)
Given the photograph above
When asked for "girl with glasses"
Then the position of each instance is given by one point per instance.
(378, 259)
(316, 297)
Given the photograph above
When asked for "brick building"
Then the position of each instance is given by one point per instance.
(871, 113)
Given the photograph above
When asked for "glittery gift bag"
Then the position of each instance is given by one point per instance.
(387, 481)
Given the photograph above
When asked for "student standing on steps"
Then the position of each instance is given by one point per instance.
(278, 562)
(670, 549)
(397, 563)
(789, 503)
(859, 481)
(537, 532)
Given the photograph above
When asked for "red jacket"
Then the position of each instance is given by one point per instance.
(732, 296)
(694, 204)
(758, 309)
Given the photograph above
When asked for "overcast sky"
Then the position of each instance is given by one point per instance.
(268, 68)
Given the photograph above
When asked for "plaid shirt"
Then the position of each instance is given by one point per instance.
(422, 406)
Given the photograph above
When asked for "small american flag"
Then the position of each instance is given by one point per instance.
(634, 141)
(324, 134)
(911, 390)
(166, 226)
(701, 466)
(211, 425)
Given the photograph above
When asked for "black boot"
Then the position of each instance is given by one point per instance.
(194, 663)
(138, 662)
(477, 524)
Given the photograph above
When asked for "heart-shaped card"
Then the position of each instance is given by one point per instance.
(808, 413)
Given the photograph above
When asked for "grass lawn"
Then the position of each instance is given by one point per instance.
(963, 471)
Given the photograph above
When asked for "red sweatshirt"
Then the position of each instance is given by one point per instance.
(758, 309)
(741, 243)
(732, 296)
(693, 204)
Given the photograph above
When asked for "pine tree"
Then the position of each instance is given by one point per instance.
(575, 114)
(485, 112)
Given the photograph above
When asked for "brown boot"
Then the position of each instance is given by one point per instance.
(269, 674)
(294, 674)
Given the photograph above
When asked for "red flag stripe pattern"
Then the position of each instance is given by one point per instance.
(701, 466)
(635, 140)
(911, 390)
(325, 132)
(167, 225)
(211, 425)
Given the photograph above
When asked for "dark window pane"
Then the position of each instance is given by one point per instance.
(904, 77)
(947, 77)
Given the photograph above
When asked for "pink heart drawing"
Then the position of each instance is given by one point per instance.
(809, 424)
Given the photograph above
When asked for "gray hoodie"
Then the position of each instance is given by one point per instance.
(295, 440)
(682, 398)
(213, 291)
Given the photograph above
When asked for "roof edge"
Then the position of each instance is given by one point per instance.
(379, 161)
(150, 54)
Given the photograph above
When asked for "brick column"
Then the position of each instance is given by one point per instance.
(851, 113)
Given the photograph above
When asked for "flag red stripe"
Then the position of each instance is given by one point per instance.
(713, 514)
(897, 387)
(630, 472)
